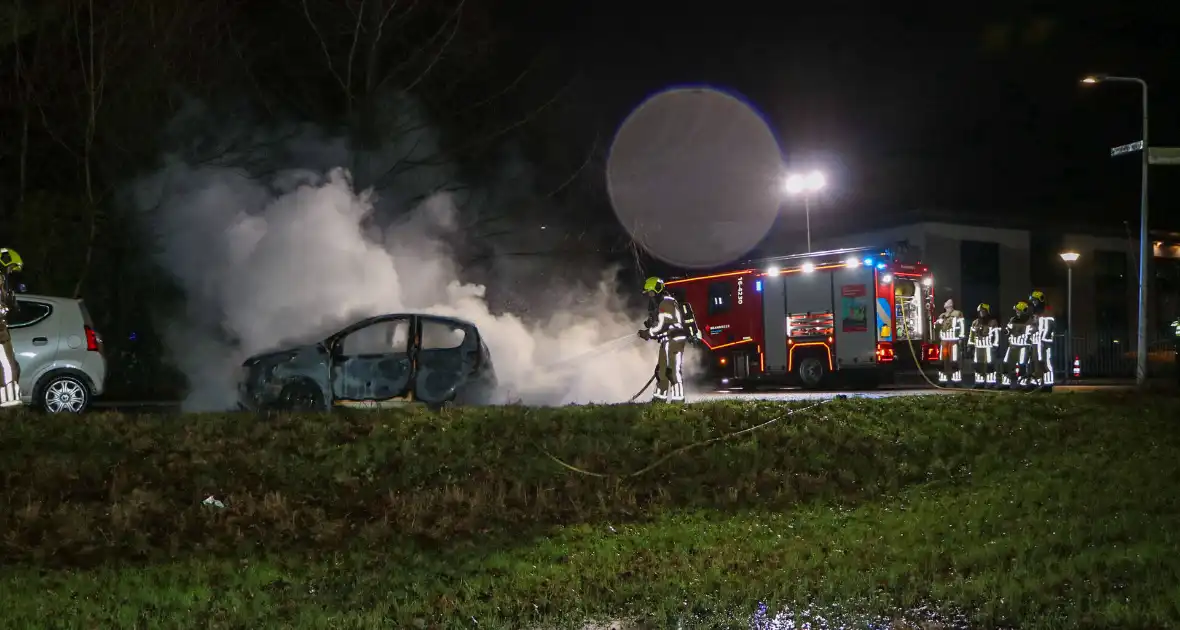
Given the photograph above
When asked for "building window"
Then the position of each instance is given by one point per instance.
(1167, 294)
(980, 262)
(1047, 270)
(1111, 294)
(1110, 267)
(980, 274)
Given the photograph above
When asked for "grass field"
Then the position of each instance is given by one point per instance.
(1035, 511)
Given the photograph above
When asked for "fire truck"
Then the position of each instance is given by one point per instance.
(845, 316)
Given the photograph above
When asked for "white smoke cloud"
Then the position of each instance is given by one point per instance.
(270, 261)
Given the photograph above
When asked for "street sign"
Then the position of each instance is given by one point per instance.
(1164, 156)
(1127, 148)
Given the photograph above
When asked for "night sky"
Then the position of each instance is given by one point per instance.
(969, 112)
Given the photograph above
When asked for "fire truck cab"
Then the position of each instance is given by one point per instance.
(813, 319)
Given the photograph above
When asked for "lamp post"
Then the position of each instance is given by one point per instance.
(1070, 258)
(808, 184)
(1144, 252)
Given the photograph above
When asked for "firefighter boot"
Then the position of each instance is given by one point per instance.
(661, 394)
(1045, 368)
(979, 366)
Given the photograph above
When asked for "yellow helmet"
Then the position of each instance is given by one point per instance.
(1038, 296)
(1021, 306)
(10, 260)
(984, 308)
(653, 285)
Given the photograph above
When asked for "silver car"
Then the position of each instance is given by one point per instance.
(377, 362)
(62, 367)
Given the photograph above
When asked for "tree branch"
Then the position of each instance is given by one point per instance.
(356, 37)
(372, 61)
(458, 17)
(414, 55)
(324, 46)
(578, 171)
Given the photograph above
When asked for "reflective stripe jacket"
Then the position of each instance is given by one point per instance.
(985, 333)
(668, 324)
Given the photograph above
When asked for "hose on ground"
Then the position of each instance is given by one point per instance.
(918, 363)
(684, 449)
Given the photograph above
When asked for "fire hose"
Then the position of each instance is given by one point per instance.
(600, 349)
(918, 363)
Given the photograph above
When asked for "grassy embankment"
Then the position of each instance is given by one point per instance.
(1039, 511)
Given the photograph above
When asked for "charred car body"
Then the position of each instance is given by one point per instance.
(377, 362)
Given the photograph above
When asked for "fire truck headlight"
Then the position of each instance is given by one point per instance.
(852, 262)
(808, 267)
(927, 281)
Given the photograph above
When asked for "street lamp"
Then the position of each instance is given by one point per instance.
(808, 185)
(1144, 253)
(1070, 258)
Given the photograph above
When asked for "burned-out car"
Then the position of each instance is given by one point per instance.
(377, 362)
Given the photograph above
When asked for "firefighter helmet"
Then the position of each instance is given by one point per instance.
(1037, 296)
(1021, 306)
(653, 285)
(10, 260)
(984, 309)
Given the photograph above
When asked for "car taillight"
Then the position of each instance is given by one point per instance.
(884, 352)
(93, 340)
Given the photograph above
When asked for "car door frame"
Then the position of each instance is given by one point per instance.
(333, 344)
(52, 339)
(471, 338)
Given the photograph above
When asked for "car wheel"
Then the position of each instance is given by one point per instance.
(301, 396)
(811, 372)
(64, 394)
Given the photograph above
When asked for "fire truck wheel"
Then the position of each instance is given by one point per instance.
(811, 372)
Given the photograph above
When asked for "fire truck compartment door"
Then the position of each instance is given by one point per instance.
(809, 293)
(774, 323)
(854, 290)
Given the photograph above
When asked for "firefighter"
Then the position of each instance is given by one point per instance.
(665, 324)
(1044, 332)
(950, 326)
(984, 339)
(10, 263)
(1016, 356)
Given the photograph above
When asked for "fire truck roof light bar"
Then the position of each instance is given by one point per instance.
(832, 253)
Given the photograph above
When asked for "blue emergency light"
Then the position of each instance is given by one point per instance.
(758, 285)
(880, 265)
(868, 262)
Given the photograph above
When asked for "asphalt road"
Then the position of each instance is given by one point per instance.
(792, 393)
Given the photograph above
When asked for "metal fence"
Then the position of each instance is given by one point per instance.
(1104, 357)
(1097, 357)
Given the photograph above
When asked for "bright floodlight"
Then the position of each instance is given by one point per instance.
(796, 183)
(927, 281)
(772, 271)
(852, 262)
(808, 267)
(1070, 256)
